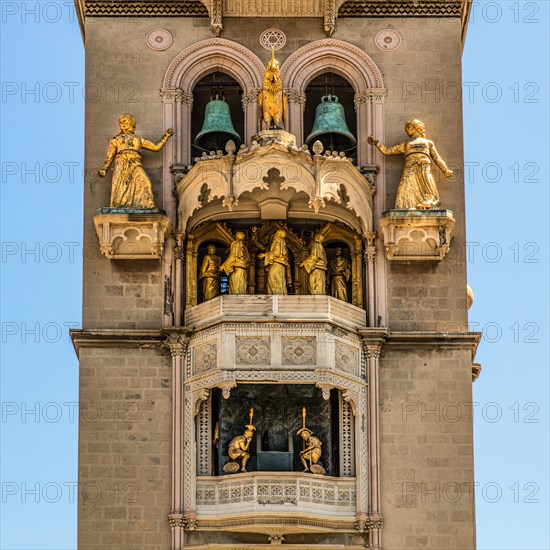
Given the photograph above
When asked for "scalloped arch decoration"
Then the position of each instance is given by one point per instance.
(358, 201)
(342, 57)
(190, 65)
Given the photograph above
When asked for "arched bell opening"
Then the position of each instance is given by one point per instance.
(329, 114)
(217, 114)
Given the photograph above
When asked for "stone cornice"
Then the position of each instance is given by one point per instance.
(362, 8)
(196, 8)
(464, 340)
(117, 338)
(133, 8)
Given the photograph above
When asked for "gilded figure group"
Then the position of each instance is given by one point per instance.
(239, 448)
(277, 263)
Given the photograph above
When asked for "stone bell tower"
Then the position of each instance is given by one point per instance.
(274, 303)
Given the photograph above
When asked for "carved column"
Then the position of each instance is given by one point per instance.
(192, 400)
(250, 108)
(178, 105)
(369, 106)
(370, 257)
(172, 99)
(374, 524)
(178, 279)
(295, 116)
(177, 344)
(191, 294)
(361, 453)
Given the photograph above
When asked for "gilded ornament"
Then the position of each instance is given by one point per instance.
(316, 266)
(236, 265)
(239, 446)
(312, 448)
(340, 274)
(277, 264)
(210, 274)
(417, 189)
(272, 99)
(131, 186)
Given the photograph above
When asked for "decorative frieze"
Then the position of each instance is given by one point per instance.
(247, 491)
(268, 8)
(362, 8)
(181, 8)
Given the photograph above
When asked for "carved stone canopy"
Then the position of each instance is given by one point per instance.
(264, 174)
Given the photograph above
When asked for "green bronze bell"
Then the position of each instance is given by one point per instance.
(330, 125)
(217, 128)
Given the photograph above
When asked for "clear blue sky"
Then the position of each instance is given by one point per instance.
(507, 144)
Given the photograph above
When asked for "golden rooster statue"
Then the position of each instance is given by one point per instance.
(272, 99)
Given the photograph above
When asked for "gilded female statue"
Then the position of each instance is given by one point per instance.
(236, 265)
(340, 274)
(316, 266)
(210, 274)
(416, 188)
(277, 264)
(131, 187)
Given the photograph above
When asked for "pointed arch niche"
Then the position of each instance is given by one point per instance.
(351, 63)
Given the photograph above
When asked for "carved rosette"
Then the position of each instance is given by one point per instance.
(206, 357)
(346, 358)
(299, 350)
(253, 350)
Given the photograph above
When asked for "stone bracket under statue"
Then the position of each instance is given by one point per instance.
(260, 173)
(416, 235)
(131, 234)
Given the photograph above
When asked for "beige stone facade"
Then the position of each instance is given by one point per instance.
(397, 360)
